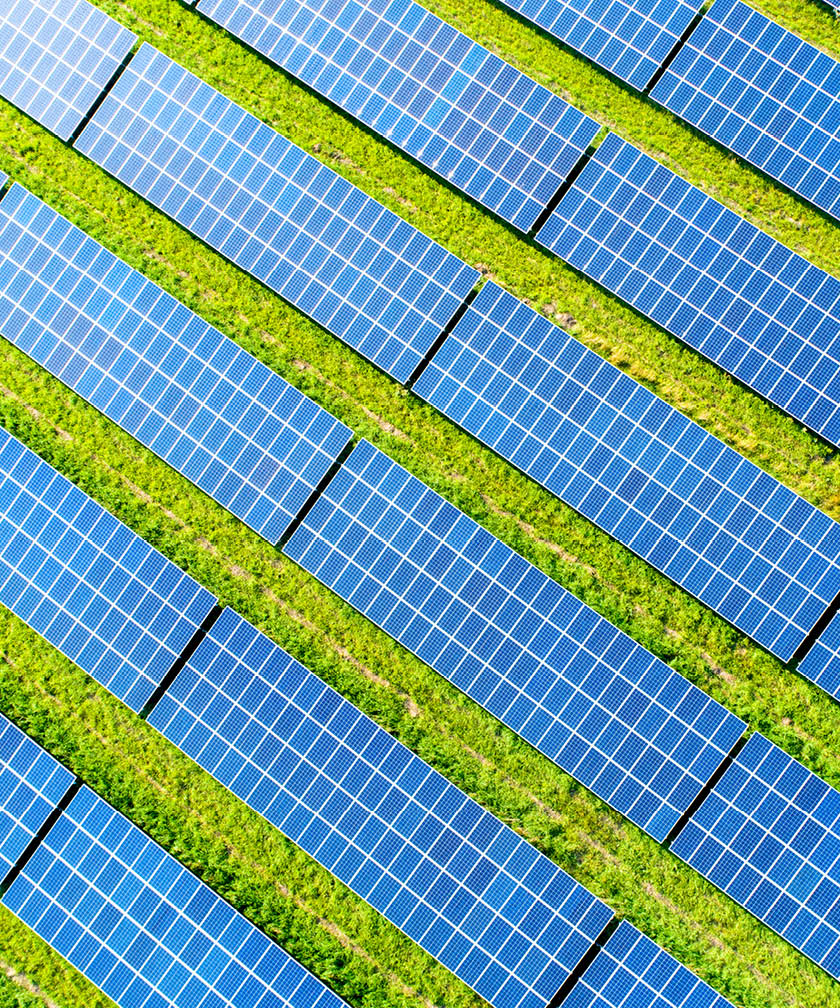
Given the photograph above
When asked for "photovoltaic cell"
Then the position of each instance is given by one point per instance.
(630, 38)
(460, 110)
(145, 930)
(452, 876)
(760, 311)
(769, 836)
(32, 783)
(737, 539)
(764, 93)
(822, 662)
(631, 971)
(96, 591)
(56, 57)
(363, 273)
(235, 428)
(570, 683)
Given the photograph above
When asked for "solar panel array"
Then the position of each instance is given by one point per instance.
(32, 783)
(460, 110)
(764, 93)
(570, 683)
(727, 532)
(452, 876)
(356, 268)
(236, 429)
(769, 835)
(631, 971)
(630, 38)
(88, 584)
(56, 57)
(145, 930)
(746, 302)
(822, 662)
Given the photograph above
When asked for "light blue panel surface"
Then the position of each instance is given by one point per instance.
(363, 273)
(224, 420)
(453, 877)
(88, 584)
(570, 683)
(145, 930)
(56, 58)
(822, 662)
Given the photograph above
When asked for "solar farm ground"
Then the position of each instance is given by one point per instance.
(366, 960)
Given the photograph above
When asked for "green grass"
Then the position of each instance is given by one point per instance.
(353, 949)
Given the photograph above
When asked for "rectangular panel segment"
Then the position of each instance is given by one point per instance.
(744, 300)
(736, 538)
(822, 662)
(88, 584)
(570, 683)
(224, 420)
(356, 268)
(142, 928)
(453, 877)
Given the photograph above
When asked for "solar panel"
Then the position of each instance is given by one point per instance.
(452, 876)
(145, 930)
(631, 971)
(769, 836)
(356, 268)
(763, 93)
(32, 783)
(630, 38)
(56, 58)
(100, 594)
(733, 536)
(460, 110)
(822, 662)
(220, 417)
(760, 311)
(570, 683)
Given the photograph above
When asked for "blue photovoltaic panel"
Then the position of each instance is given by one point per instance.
(32, 783)
(630, 38)
(452, 876)
(631, 971)
(737, 539)
(491, 131)
(765, 94)
(145, 930)
(769, 836)
(760, 311)
(570, 683)
(356, 268)
(822, 662)
(88, 584)
(56, 58)
(235, 428)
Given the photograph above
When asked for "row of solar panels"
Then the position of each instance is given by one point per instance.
(738, 540)
(458, 881)
(451, 876)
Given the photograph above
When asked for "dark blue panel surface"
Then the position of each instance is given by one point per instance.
(235, 428)
(573, 685)
(822, 662)
(737, 539)
(145, 930)
(356, 268)
(760, 311)
(631, 38)
(453, 877)
(491, 131)
(631, 971)
(88, 584)
(764, 93)
(32, 783)
(56, 57)
(769, 836)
